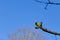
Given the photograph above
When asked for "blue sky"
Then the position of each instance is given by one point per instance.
(19, 13)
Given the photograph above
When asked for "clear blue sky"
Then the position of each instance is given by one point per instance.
(18, 13)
